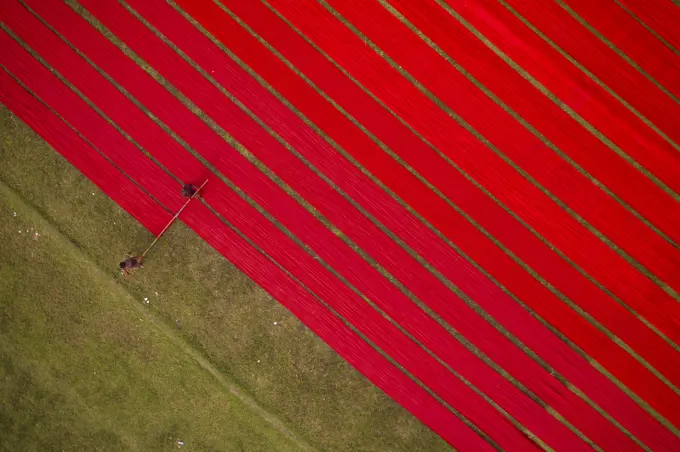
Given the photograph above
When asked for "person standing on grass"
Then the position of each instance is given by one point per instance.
(131, 263)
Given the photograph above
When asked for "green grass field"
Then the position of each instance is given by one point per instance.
(211, 360)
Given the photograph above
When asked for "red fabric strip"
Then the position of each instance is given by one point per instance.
(479, 331)
(660, 15)
(633, 39)
(549, 169)
(573, 87)
(494, 219)
(565, 31)
(312, 274)
(345, 342)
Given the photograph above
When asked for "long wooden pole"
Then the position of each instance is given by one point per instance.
(172, 220)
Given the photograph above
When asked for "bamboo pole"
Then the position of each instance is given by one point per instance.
(172, 220)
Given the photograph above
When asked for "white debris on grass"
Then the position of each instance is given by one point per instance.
(14, 214)
(276, 323)
(180, 444)
(146, 300)
(258, 360)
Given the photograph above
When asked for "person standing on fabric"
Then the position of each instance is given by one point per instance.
(189, 190)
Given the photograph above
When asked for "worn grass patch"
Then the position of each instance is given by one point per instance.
(66, 314)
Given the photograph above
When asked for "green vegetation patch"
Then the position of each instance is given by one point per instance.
(83, 367)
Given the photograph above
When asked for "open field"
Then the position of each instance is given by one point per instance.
(84, 367)
(87, 365)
